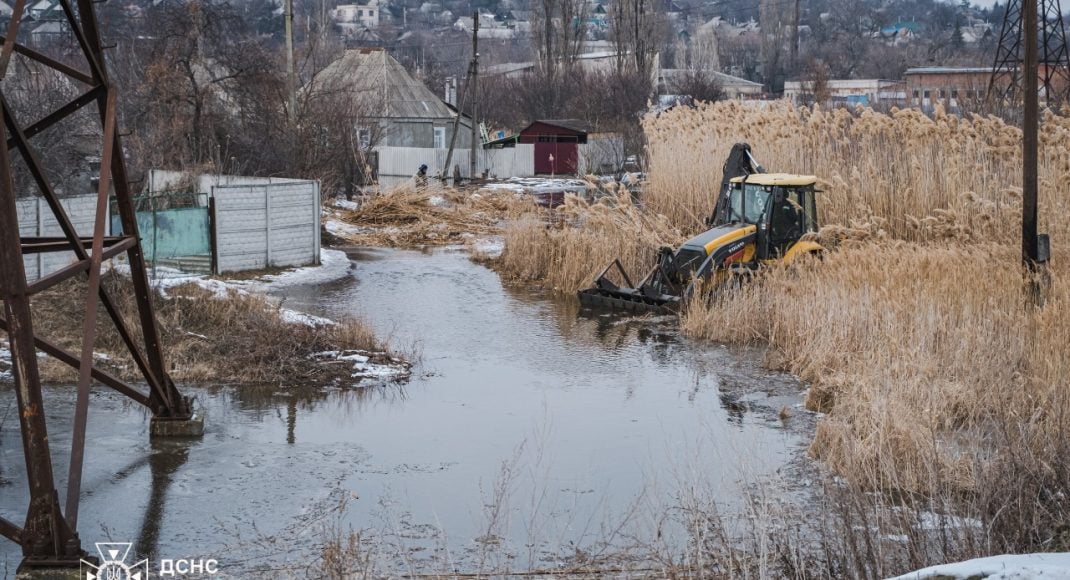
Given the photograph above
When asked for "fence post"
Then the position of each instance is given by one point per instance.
(40, 232)
(267, 223)
(213, 241)
(317, 211)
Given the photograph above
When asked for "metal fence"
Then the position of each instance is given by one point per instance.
(174, 228)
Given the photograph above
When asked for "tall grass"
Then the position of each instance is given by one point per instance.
(936, 377)
(938, 383)
(565, 254)
(237, 338)
(916, 177)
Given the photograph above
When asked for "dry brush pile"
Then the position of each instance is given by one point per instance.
(934, 376)
(237, 338)
(407, 216)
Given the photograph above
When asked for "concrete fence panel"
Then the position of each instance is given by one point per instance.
(266, 225)
(36, 219)
(509, 162)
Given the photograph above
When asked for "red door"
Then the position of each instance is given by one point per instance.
(567, 158)
(558, 158)
(545, 155)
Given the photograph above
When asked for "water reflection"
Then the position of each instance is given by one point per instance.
(165, 458)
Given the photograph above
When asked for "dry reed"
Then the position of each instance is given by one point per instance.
(239, 338)
(408, 217)
(565, 252)
(934, 376)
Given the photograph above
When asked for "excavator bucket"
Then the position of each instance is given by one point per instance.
(646, 297)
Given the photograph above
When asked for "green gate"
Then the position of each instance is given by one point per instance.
(174, 228)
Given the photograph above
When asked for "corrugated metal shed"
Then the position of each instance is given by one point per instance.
(383, 84)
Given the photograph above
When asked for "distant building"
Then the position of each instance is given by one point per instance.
(899, 33)
(365, 15)
(591, 62)
(395, 108)
(732, 86)
(866, 92)
(45, 10)
(954, 87)
(489, 27)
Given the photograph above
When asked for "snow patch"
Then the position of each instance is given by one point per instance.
(490, 247)
(933, 521)
(1052, 566)
(372, 366)
(343, 203)
(295, 317)
(334, 264)
(539, 185)
(341, 229)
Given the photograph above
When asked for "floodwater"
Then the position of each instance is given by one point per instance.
(526, 428)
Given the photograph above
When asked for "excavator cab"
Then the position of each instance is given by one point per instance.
(758, 218)
(781, 207)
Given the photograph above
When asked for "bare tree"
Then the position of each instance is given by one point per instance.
(637, 29)
(558, 30)
(816, 77)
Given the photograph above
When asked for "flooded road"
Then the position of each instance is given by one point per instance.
(525, 427)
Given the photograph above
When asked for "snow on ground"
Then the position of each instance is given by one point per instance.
(375, 367)
(334, 264)
(933, 521)
(491, 247)
(340, 228)
(343, 203)
(539, 185)
(1051, 566)
(295, 317)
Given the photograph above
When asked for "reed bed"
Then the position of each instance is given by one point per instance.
(915, 177)
(935, 378)
(563, 253)
(433, 215)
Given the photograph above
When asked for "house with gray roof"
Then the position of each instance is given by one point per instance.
(406, 113)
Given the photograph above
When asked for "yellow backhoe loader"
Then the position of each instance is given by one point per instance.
(758, 218)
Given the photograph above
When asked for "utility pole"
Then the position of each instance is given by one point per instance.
(475, 98)
(1034, 256)
(457, 121)
(291, 77)
(795, 37)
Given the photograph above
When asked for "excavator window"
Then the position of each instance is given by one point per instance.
(747, 204)
(787, 218)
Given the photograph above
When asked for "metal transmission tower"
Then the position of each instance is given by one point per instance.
(48, 536)
(1006, 84)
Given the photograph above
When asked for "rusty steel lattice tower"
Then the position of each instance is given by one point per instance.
(48, 536)
(1006, 84)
